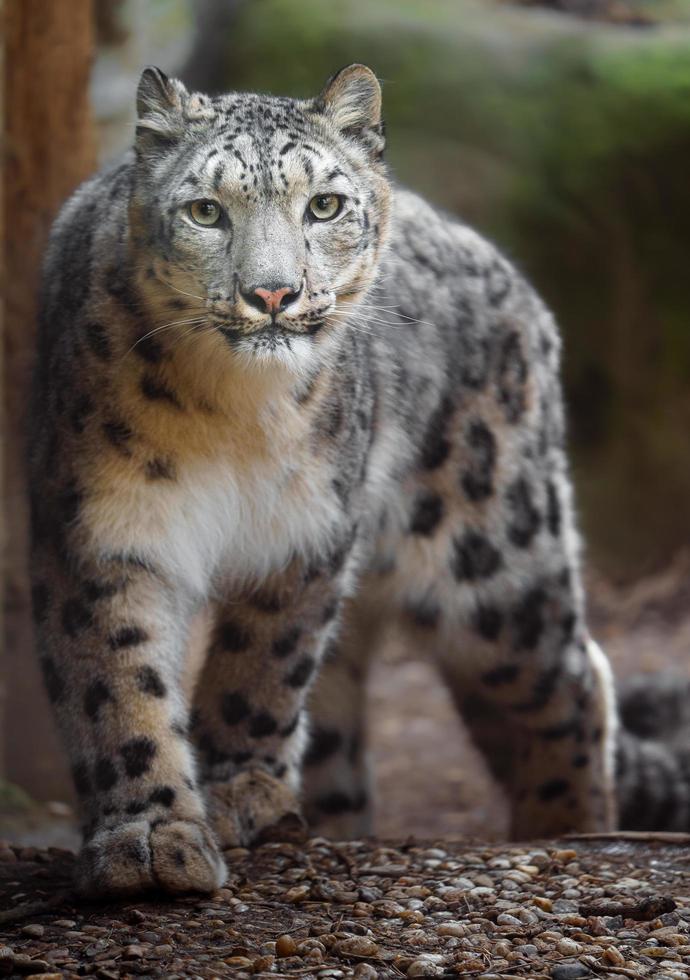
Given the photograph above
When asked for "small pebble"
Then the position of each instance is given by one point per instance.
(569, 971)
(504, 919)
(483, 892)
(658, 952)
(458, 929)
(306, 945)
(614, 956)
(35, 931)
(365, 971)
(240, 962)
(356, 946)
(569, 947)
(527, 950)
(297, 894)
(285, 945)
(426, 966)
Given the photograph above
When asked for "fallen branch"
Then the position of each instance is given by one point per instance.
(643, 911)
(639, 836)
(27, 909)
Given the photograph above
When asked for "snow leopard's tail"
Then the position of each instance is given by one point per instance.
(653, 758)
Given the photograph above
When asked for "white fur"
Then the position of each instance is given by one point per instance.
(606, 689)
(215, 522)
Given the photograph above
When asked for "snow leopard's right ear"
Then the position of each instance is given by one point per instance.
(165, 110)
(352, 100)
(160, 103)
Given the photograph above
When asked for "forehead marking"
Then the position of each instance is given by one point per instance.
(218, 175)
(308, 169)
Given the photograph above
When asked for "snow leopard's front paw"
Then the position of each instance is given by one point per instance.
(254, 806)
(175, 856)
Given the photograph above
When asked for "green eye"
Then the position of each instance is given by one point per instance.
(323, 207)
(205, 213)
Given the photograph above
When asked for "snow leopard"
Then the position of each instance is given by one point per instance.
(281, 403)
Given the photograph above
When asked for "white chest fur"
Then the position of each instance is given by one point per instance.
(247, 524)
(218, 521)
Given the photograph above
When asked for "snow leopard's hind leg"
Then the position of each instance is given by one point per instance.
(507, 629)
(547, 726)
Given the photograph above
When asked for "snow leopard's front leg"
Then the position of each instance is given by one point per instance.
(250, 722)
(111, 638)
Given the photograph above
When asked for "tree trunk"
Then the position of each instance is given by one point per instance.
(3, 428)
(49, 149)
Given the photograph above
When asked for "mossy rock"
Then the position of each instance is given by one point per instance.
(568, 143)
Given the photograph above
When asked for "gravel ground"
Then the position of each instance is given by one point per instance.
(562, 910)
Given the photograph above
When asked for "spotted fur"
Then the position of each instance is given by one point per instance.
(387, 443)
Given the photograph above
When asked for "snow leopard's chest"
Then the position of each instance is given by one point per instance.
(220, 521)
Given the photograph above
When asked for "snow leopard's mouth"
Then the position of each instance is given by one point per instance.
(269, 337)
(272, 333)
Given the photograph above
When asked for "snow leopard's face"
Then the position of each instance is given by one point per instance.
(262, 217)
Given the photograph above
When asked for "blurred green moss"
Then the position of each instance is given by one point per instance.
(13, 799)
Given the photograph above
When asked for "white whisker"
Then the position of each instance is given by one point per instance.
(370, 319)
(177, 289)
(164, 326)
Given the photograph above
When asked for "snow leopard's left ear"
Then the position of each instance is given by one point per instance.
(352, 100)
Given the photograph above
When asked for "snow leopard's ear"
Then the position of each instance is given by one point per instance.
(352, 100)
(160, 99)
(160, 102)
(165, 110)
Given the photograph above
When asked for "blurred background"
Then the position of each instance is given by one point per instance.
(561, 129)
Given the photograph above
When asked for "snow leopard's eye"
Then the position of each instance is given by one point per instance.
(205, 213)
(323, 207)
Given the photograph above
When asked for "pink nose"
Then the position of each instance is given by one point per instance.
(274, 299)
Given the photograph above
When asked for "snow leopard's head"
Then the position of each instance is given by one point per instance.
(263, 217)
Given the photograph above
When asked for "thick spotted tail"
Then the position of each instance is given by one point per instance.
(653, 753)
